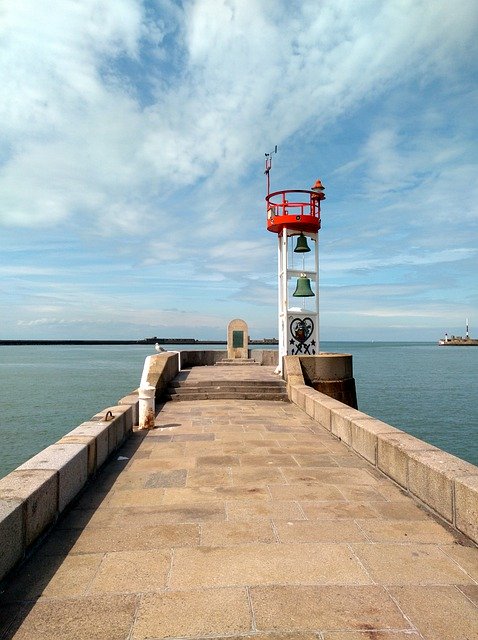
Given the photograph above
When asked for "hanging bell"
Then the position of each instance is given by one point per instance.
(301, 246)
(302, 289)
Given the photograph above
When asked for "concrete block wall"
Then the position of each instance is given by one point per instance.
(33, 495)
(443, 482)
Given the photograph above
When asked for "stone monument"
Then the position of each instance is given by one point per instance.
(237, 340)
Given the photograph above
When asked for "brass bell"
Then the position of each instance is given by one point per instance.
(302, 289)
(301, 246)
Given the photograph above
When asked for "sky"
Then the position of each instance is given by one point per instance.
(132, 142)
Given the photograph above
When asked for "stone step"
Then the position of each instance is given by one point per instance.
(236, 362)
(224, 395)
(245, 361)
(185, 384)
(250, 388)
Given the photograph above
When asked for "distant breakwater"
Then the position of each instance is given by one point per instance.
(162, 341)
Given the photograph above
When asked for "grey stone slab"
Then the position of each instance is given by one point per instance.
(393, 454)
(116, 428)
(11, 534)
(101, 432)
(37, 489)
(89, 442)
(323, 406)
(133, 401)
(364, 436)
(431, 477)
(176, 478)
(341, 422)
(191, 437)
(70, 461)
(98, 617)
(466, 506)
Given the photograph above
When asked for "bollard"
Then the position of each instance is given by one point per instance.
(146, 396)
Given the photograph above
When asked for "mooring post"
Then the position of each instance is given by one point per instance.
(146, 395)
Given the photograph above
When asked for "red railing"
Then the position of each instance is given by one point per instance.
(282, 205)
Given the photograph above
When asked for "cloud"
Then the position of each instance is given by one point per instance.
(78, 132)
(20, 271)
(349, 262)
(49, 322)
(132, 137)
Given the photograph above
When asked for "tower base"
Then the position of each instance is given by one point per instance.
(332, 374)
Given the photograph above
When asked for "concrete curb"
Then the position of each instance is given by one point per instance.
(445, 483)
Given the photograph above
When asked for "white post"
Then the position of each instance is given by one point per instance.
(146, 395)
(283, 296)
(317, 307)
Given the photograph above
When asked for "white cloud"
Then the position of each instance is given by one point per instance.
(23, 270)
(254, 73)
(141, 124)
(349, 262)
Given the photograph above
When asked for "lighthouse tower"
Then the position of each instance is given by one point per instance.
(294, 215)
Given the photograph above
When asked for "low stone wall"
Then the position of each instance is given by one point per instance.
(33, 495)
(162, 369)
(201, 358)
(265, 357)
(443, 482)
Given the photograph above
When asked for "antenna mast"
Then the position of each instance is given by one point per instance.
(269, 167)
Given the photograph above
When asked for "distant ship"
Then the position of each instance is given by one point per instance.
(459, 341)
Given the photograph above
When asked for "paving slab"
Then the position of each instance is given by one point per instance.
(195, 613)
(326, 607)
(100, 617)
(244, 520)
(438, 612)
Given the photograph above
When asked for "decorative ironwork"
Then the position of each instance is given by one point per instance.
(301, 329)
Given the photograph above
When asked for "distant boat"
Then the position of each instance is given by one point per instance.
(459, 341)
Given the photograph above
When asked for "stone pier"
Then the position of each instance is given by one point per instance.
(249, 519)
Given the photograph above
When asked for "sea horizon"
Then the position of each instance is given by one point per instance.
(184, 341)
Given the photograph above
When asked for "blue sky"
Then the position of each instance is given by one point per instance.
(132, 146)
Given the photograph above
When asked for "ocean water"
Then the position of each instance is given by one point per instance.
(46, 391)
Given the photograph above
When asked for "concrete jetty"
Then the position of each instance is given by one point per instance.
(264, 519)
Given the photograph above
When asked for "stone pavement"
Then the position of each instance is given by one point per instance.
(234, 519)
